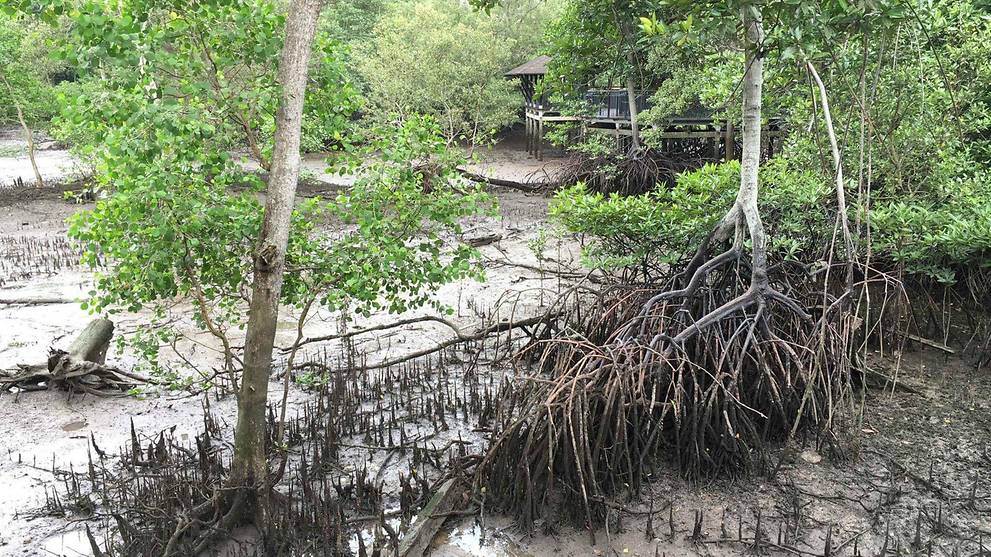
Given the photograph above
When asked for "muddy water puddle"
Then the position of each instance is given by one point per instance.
(475, 540)
(73, 543)
(74, 425)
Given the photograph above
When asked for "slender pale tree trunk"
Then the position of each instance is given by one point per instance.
(844, 219)
(631, 93)
(744, 216)
(753, 82)
(631, 83)
(250, 463)
(28, 135)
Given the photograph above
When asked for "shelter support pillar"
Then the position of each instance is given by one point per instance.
(715, 143)
(730, 141)
(540, 138)
(528, 125)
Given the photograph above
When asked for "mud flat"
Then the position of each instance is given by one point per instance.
(918, 476)
(46, 434)
(55, 163)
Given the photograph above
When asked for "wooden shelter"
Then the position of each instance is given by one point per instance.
(530, 75)
(609, 112)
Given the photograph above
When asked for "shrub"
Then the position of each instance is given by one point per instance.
(944, 236)
(642, 235)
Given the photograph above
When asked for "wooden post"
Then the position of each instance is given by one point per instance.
(533, 131)
(715, 143)
(730, 142)
(526, 126)
(540, 138)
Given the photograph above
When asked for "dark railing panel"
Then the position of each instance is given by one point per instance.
(614, 104)
(529, 85)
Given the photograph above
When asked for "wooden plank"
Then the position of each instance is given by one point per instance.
(664, 135)
(560, 119)
(690, 135)
(931, 343)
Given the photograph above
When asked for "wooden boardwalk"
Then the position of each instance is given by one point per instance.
(609, 113)
(719, 135)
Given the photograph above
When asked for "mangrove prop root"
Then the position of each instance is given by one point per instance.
(706, 376)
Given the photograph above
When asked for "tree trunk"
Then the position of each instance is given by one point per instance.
(841, 214)
(631, 95)
(30, 139)
(753, 82)
(250, 464)
(631, 83)
(28, 135)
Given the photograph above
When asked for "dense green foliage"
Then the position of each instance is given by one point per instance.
(908, 91)
(592, 43)
(642, 235)
(180, 216)
(163, 92)
(439, 58)
(944, 236)
(27, 71)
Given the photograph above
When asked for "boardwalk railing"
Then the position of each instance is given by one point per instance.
(614, 104)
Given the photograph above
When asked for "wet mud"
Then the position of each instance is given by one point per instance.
(916, 479)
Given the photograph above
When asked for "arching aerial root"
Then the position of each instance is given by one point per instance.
(650, 382)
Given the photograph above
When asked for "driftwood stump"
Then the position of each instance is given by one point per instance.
(81, 367)
(91, 345)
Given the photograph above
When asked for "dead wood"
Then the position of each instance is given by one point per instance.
(430, 519)
(558, 269)
(92, 343)
(529, 187)
(546, 319)
(878, 380)
(82, 367)
(931, 343)
(34, 301)
(480, 241)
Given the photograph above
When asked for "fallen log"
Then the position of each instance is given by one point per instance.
(931, 343)
(484, 240)
(82, 367)
(430, 519)
(878, 380)
(34, 301)
(529, 187)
